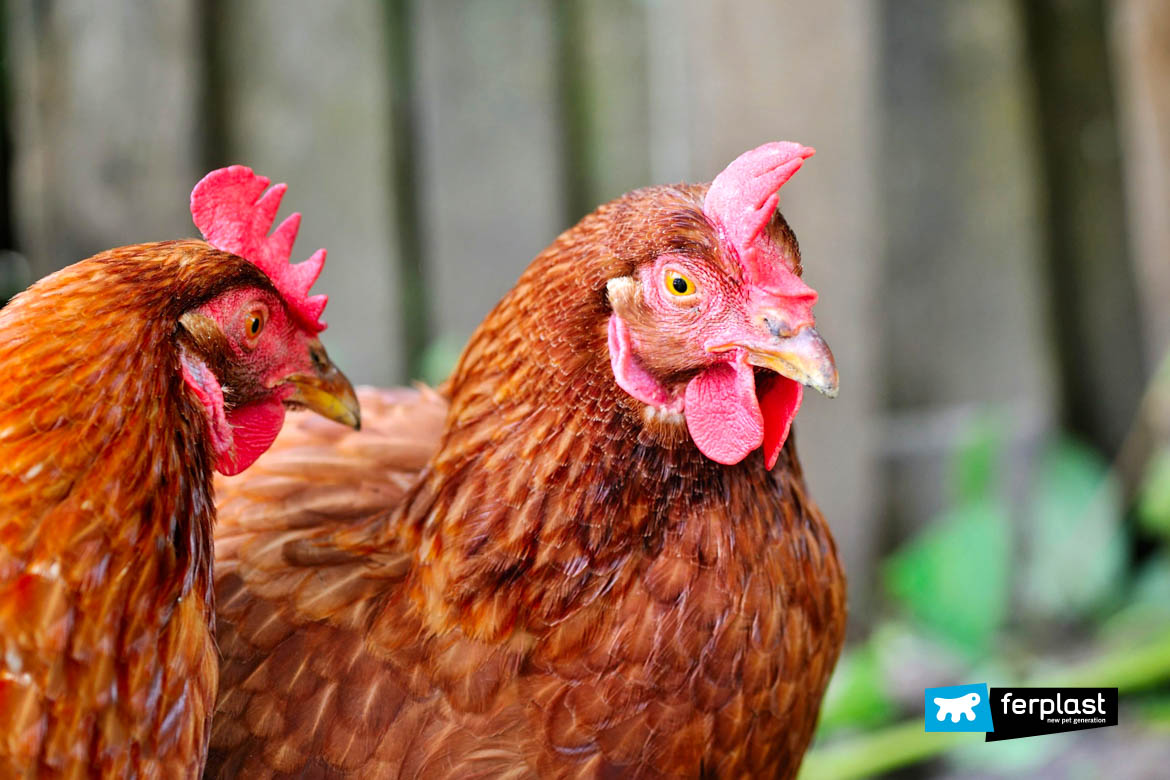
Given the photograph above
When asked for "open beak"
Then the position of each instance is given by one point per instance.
(326, 391)
(804, 357)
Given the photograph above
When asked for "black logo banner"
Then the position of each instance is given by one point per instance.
(1029, 712)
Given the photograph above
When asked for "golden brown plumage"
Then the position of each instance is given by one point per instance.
(532, 573)
(105, 536)
(107, 662)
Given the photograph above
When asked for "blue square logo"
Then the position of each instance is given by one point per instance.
(958, 708)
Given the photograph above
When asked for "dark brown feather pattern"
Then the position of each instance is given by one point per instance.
(526, 575)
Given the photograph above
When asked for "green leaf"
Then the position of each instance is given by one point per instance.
(1153, 506)
(1012, 757)
(1075, 543)
(975, 463)
(955, 578)
(1154, 711)
(856, 696)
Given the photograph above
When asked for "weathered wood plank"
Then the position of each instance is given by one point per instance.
(1095, 323)
(491, 156)
(960, 298)
(614, 97)
(414, 304)
(962, 291)
(106, 130)
(306, 102)
(1142, 38)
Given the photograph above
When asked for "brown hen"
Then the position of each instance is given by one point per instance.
(572, 560)
(126, 379)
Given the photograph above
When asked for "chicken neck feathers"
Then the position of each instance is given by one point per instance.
(107, 663)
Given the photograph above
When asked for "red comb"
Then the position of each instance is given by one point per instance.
(743, 198)
(229, 210)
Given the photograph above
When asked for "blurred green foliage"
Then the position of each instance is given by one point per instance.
(1155, 711)
(1154, 500)
(439, 359)
(857, 697)
(954, 577)
(994, 588)
(1076, 543)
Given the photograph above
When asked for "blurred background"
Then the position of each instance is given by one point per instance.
(987, 220)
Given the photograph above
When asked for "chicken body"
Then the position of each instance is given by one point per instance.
(105, 532)
(531, 573)
(107, 660)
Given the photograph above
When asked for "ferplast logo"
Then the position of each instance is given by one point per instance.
(1030, 712)
(1011, 713)
(958, 708)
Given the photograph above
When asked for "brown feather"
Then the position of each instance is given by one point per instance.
(107, 663)
(523, 576)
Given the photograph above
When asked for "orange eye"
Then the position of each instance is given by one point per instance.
(677, 284)
(254, 324)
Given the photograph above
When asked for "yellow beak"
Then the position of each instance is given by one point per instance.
(326, 391)
(804, 357)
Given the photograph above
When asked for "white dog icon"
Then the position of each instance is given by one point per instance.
(962, 705)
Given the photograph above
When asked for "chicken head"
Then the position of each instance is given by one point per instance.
(715, 327)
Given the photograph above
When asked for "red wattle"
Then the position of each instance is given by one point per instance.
(254, 428)
(779, 401)
(723, 415)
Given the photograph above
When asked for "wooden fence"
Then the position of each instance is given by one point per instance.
(436, 146)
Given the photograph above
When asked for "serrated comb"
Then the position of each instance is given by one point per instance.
(742, 200)
(234, 213)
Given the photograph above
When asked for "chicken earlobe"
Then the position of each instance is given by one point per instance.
(629, 375)
(202, 382)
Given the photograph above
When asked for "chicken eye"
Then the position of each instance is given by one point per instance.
(254, 324)
(679, 285)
